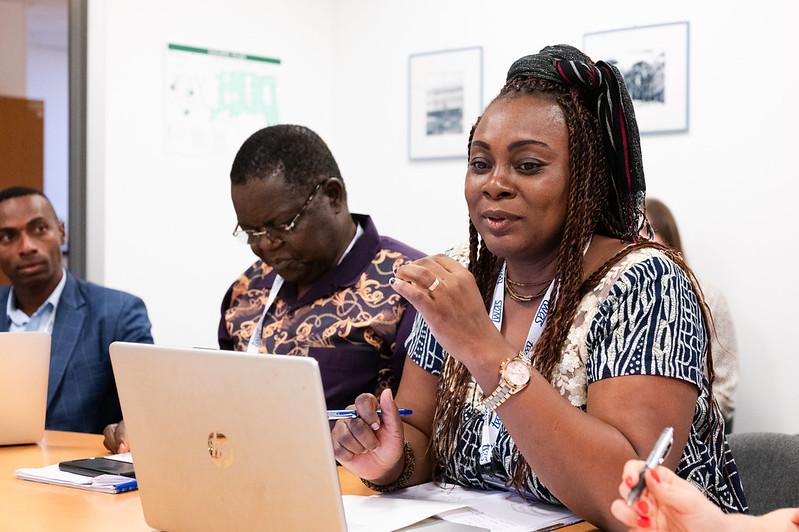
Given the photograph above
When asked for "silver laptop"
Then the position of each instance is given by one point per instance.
(24, 369)
(228, 441)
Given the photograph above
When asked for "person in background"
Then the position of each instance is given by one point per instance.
(724, 345)
(320, 285)
(543, 367)
(670, 503)
(82, 318)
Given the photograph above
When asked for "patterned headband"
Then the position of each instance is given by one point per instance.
(602, 87)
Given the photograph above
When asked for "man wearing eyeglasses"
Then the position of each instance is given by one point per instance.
(321, 285)
(82, 318)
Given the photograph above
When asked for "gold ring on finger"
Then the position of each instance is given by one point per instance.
(434, 285)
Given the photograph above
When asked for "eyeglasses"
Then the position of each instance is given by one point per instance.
(277, 233)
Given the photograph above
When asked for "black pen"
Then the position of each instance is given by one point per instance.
(656, 457)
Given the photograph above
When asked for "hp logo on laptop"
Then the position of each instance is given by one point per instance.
(219, 449)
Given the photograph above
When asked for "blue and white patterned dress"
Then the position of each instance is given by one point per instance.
(643, 318)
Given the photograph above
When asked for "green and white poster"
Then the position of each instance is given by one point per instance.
(214, 99)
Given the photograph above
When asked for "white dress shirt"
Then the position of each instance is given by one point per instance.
(43, 318)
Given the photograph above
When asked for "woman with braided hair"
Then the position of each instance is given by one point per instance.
(567, 345)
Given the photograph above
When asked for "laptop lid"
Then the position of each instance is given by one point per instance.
(24, 369)
(228, 441)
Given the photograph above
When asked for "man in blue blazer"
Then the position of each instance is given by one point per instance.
(83, 318)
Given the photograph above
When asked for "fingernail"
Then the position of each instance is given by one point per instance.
(642, 506)
(375, 425)
(643, 521)
(629, 481)
(655, 475)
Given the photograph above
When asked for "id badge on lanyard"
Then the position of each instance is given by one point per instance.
(491, 423)
(254, 346)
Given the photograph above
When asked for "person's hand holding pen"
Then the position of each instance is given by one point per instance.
(663, 505)
(671, 503)
(371, 445)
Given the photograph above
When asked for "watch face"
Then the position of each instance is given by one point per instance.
(517, 373)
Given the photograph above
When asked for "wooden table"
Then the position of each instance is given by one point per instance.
(32, 506)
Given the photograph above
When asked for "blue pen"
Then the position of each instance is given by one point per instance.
(126, 486)
(352, 414)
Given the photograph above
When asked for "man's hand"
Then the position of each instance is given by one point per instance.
(115, 438)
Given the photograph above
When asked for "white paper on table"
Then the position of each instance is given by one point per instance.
(471, 517)
(53, 475)
(381, 513)
(494, 509)
(121, 457)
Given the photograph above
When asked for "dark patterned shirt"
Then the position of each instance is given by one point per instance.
(351, 321)
(643, 318)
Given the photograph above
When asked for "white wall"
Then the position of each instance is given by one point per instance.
(12, 47)
(730, 181)
(160, 224)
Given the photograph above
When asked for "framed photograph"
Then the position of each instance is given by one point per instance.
(654, 62)
(445, 97)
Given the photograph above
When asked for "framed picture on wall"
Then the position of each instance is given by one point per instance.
(445, 96)
(654, 62)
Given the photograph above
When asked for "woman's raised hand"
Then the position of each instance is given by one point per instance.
(370, 445)
(447, 297)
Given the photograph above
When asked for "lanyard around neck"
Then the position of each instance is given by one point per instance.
(254, 345)
(540, 319)
(492, 424)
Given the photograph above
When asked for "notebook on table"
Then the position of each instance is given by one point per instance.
(70, 475)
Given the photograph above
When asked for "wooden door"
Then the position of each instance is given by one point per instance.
(21, 145)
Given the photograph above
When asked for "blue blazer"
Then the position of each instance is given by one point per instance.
(81, 392)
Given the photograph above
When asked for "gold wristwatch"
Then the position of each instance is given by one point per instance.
(514, 376)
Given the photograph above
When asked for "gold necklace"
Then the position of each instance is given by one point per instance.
(517, 283)
(522, 298)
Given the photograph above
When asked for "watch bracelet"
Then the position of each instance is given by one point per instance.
(495, 399)
(407, 472)
(501, 400)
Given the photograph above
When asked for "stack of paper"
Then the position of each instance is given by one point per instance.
(489, 510)
(103, 483)
(383, 513)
